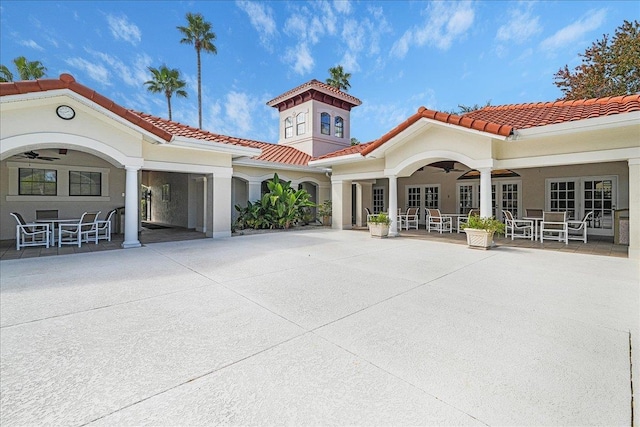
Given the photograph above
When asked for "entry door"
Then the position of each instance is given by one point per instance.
(378, 200)
(422, 197)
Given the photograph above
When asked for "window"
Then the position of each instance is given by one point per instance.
(431, 198)
(300, 124)
(288, 127)
(325, 124)
(82, 183)
(378, 200)
(339, 127)
(38, 182)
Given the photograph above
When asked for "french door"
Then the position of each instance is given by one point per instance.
(422, 197)
(583, 194)
(378, 200)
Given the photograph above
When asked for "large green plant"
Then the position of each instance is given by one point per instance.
(281, 207)
(487, 224)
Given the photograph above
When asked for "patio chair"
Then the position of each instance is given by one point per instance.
(462, 220)
(519, 228)
(82, 231)
(44, 214)
(577, 230)
(554, 227)
(368, 211)
(435, 221)
(103, 227)
(32, 234)
(534, 213)
(411, 218)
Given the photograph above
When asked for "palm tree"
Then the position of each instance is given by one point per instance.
(198, 33)
(339, 79)
(166, 81)
(27, 70)
(5, 74)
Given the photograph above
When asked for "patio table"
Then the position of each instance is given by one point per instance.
(54, 225)
(454, 219)
(536, 224)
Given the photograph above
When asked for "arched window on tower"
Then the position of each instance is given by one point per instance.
(288, 127)
(301, 124)
(339, 126)
(325, 124)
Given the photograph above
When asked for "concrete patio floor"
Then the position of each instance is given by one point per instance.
(318, 327)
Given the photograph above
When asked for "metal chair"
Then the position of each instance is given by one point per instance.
(411, 218)
(520, 228)
(554, 227)
(462, 220)
(32, 234)
(435, 221)
(577, 230)
(82, 231)
(103, 227)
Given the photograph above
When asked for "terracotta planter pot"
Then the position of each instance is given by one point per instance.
(378, 230)
(480, 239)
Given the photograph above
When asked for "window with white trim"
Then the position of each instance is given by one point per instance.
(378, 199)
(85, 183)
(288, 127)
(339, 127)
(301, 124)
(38, 182)
(325, 124)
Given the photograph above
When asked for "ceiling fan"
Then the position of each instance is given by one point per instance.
(446, 165)
(32, 155)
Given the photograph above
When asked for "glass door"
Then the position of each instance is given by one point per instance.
(378, 200)
(599, 197)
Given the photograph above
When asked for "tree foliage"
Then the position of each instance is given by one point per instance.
(166, 81)
(281, 207)
(610, 67)
(198, 33)
(27, 70)
(338, 78)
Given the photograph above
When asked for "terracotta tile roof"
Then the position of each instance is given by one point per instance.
(318, 85)
(464, 121)
(354, 149)
(523, 116)
(66, 81)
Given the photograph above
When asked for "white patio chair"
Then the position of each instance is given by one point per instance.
(534, 213)
(462, 220)
(103, 227)
(554, 227)
(435, 221)
(519, 228)
(411, 218)
(82, 231)
(32, 234)
(577, 230)
(368, 211)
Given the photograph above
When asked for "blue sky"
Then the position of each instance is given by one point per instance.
(401, 54)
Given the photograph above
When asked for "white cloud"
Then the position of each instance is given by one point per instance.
(261, 17)
(520, 26)
(300, 58)
(238, 112)
(342, 6)
(446, 22)
(574, 31)
(122, 29)
(350, 62)
(132, 75)
(32, 44)
(95, 71)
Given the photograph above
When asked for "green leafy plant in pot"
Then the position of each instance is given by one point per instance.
(325, 210)
(379, 225)
(480, 231)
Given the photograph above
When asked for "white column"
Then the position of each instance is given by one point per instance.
(221, 195)
(393, 205)
(341, 204)
(255, 189)
(634, 209)
(131, 204)
(359, 207)
(485, 193)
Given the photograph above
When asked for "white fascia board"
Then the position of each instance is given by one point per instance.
(155, 139)
(349, 158)
(605, 122)
(425, 122)
(617, 155)
(199, 144)
(281, 166)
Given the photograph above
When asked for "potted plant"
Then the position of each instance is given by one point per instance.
(379, 225)
(480, 231)
(324, 210)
